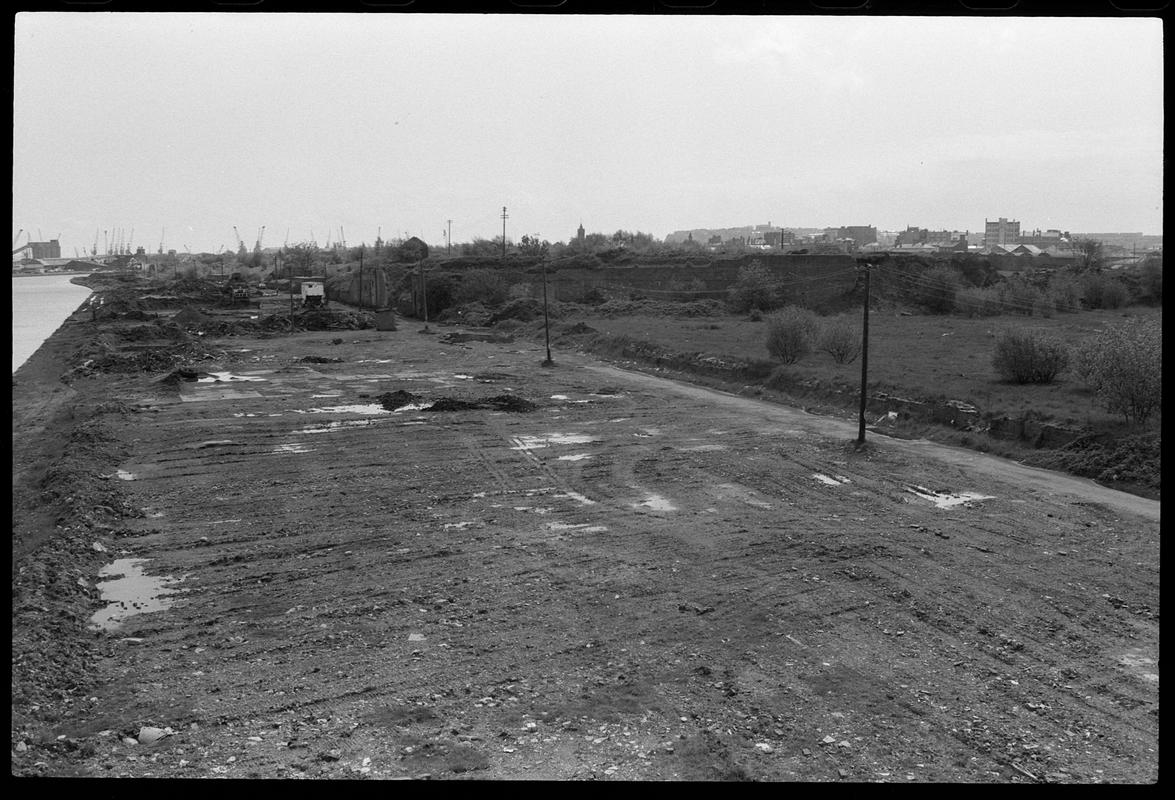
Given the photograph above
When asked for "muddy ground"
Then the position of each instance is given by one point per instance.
(634, 579)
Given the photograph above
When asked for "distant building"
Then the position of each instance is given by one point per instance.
(579, 235)
(39, 250)
(1000, 232)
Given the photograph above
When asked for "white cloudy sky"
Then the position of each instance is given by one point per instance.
(193, 123)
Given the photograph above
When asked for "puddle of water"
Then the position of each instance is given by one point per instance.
(560, 397)
(536, 442)
(837, 481)
(578, 498)
(367, 408)
(656, 502)
(225, 377)
(412, 407)
(946, 499)
(331, 394)
(338, 425)
(222, 521)
(457, 525)
(296, 447)
(582, 527)
(463, 377)
(129, 591)
(126, 476)
(702, 448)
(576, 457)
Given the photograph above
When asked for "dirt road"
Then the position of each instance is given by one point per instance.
(639, 580)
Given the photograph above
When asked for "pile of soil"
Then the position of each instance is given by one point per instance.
(191, 317)
(458, 338)
(659, 308)
(502, 402)
(1134, 462)
(524, 309)
(98, 356)
(397, 399)
(181, 375)
(474, 314)
(578, 329)
(321, 319)
(158, 329)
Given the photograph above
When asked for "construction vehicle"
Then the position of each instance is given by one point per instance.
(313, 293)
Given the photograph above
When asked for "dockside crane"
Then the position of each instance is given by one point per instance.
(161, 233)
(16, 238)
(260, 234)
(94, 248)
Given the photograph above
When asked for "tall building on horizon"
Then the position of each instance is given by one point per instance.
(1001, 231)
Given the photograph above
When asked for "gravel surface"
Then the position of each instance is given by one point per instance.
(635, 579)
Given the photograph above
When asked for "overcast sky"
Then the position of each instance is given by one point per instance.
(181, 126)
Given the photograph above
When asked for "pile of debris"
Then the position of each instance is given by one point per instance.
(502, 402)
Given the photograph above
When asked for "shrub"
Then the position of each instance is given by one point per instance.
(1044, 306)
(977, 302)
(1027, 357)
(482, 286)
(1152, 279)
(1018, 295)
(791, 332)
(841, 339)
(1065, 292)
(755, 288)
(686, 290)
(1100, 291)
(1123, 365)
(937, 288)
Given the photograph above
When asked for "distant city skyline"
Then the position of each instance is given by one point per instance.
(181, 126)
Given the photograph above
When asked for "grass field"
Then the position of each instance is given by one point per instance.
(914, 356)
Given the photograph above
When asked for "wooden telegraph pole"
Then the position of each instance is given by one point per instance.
(546, 319)
(864, 359)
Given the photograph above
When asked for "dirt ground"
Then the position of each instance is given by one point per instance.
(638, 580)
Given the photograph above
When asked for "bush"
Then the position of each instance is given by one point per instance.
(482, 286)
(1100, 291)
(976, 302)
(791, 332)
(841, 339)
(1152, 279)
(1027, 357)
(1065, 292)
(1018, 295)
(937, 288)
(1123, 365)
(755, 288)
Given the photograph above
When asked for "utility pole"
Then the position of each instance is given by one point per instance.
(291, 295)
(361, 248)
(864, 359)
(546, 320)
(504, 217)
(424, 297)
(449, 240)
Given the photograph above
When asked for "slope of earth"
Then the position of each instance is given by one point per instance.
(636, 580)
